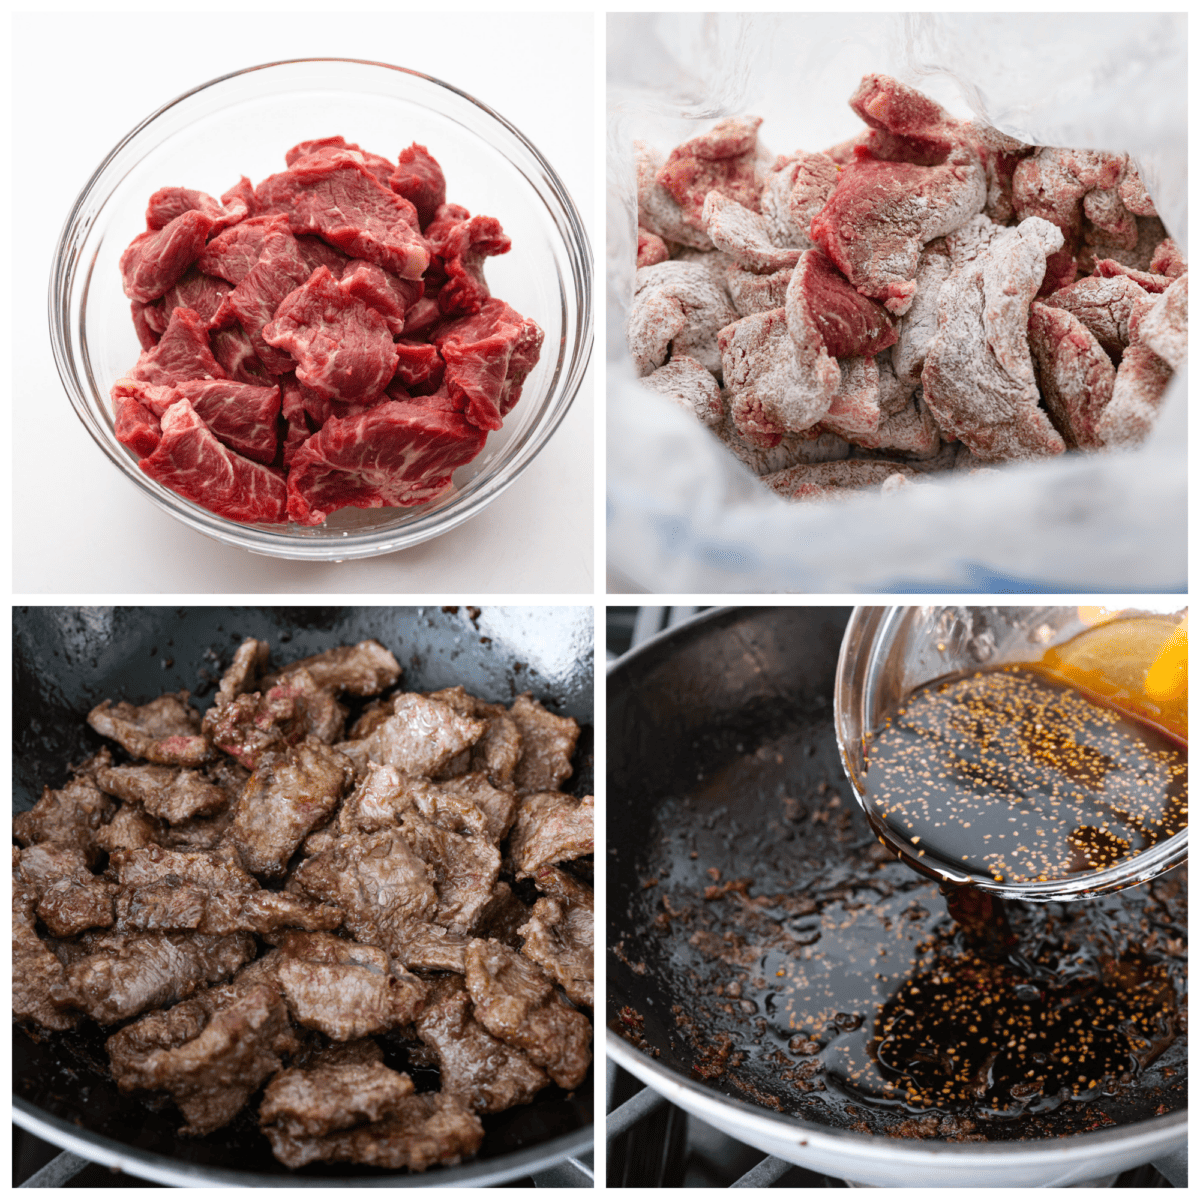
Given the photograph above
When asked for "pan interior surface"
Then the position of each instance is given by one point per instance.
(758, 932)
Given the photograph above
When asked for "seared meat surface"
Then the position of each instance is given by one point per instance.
(247, 900)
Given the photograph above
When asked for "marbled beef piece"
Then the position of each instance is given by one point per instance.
(379, 166)
(794, 191)
(722, 159)
(154, 260)
(651, 249)
(547, 743)
(210, 1053)
(550, 828)
(288, 795)
(515, 1001)
(249, 661)
(488, 357)
(167, 792)
(114, 976)
(387, 294)
(147, 334)
(463, 870)
(166, 730)
(69, 816)
(70, 898)
(1148, 281)
(231, 254)
(168, 203)
(460, 245)
(234, 352)
(850, 325)
(242, 416)
(419, 367)
(205, 295)
(279, 271)
(183, 352)
(420, 180)
(559, 934)
(419, 738)
(480, 1070)
(365, 669)
(333, 194)
(39, 988)
(1074, 373)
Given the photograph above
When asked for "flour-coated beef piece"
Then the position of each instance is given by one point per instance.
(1074, 373)
(721, 159)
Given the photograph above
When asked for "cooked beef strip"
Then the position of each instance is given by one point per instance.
(167, 792)
(131, 828)
(71, 816)
(419, 738)
(559, 934)
(464, 870)
(498, 751)
(47, 863)
(498, 804)
(427, 1129)
(39, 988)
(515, 1000)
(323, 1097)
(427, 947)
(365, 669)
(70, 898)
(229, 775)
(547, 743)
(371, 718)
(505, 913)
(287, 796)
(200, 833)
(481, 1070)
(166, 730)
(211, 1057)
(118, 975)
(551, 827)
(249, 662)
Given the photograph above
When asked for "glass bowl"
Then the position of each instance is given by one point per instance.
(242, 124)
(889, 652)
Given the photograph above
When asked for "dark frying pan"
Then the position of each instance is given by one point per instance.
(65, 660)
(722, 765)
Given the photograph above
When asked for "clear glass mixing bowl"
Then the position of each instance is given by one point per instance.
(242, 124)
(888, 652)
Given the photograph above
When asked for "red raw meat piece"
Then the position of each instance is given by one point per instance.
(394, 454)
(460, 247)
(147, 334)
(232, 253)
(882, 213)
(379, 166)
(419, 366)
(332, 193)
(746, 235)
(1073, 371)
(1109, 268)
(168, 203)
(488, 357)
(190, 461)
(419, 179)
(343, 346)
(1053, 182)
(232, 348)
(135, 425)
(1103, 306)
(154, 260)
(907, 126)
(1167, 260)
(388, 294)
(280, 270)
(723, 160)
(241, 193)
(182, 353)
(316, 252)
(422, 317)
(204, 294)
(850, 325)
(240, 415)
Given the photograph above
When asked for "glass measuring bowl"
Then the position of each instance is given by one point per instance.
(887, 653)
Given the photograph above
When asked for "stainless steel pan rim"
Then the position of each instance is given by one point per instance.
(169, 1171)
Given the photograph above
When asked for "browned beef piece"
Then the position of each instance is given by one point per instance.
(325, 1096)
(287, 796)
(559, 934)
(249, 662)
(39, 991)
(166, 730)
(419, 738)
(211, 1053)
(515, 1000)
(550, 828)
(482, 1071)
(427, 947)
(505, 914)
(228, 775)
(132, 828)
(256, 722)
(499, 749)
(345, 989)
(200, 833)
(371, 718)
(547, 743)
(70, 898)
(497, 803)
(363, 670)
(114, 976)
(71, 816)
(168, 792)
(426, 1130)
(464, 870)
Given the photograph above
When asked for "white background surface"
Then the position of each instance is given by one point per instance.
(83, 81)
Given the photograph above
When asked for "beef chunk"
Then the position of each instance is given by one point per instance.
(419, 738)
(233, 253)
(72, 816)
(515, 1001)
(678, 308)
(167, 792)
(722, 160)
(249, 661)
(166, 730)
(168, 203)
(550, 828)
(72, 904)
(281, 268)
(1164, 327)
(387, 294)
(505, 914)
(426, 947)
(419, 179)
(461, 245)
(133, 828)
(559, 934)
(383, 794)
(1103, 306)
(499, 749)
(481, 1070)
(211, 1053)
(156, 259)
(498, 805)
(850, 325)
(287, 796)
(39, 988)
(182, 353)
(547, 743)
(464, 870)
(690, 387)
(362, 670)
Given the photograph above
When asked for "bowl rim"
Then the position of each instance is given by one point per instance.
(281, 541)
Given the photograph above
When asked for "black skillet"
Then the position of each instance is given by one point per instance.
(720, 750)
(65, 660)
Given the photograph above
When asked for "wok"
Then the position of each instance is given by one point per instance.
(65, 660)
(695, 717)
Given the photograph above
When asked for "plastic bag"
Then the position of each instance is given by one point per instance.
(684, 516)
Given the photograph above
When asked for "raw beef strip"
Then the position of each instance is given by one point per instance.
(190, 461)
(280, 270)
(461, 247)
(240, 415)
(1073, 372)
(419, 179)
(134, 426)
(1104, 307)
(978, 378)
(204, 294)
(168, 203)
(343, 346)
(379, 166)
(231, 254)
(746, 235)
(332, 194)
(907, 126)
(651, 249)
(488, 357)
(882, 213)
(387, 294)
(394, 454)
(1137, 393)
(419, 367)
(678, 307)
(316, 252)
(1164, 328)
(242, 192)
(232, 348)
(658, 213)
(147, 334)
(723, 159)
(849, 324)
(182, 353)
(687, 384)
(154, 260)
